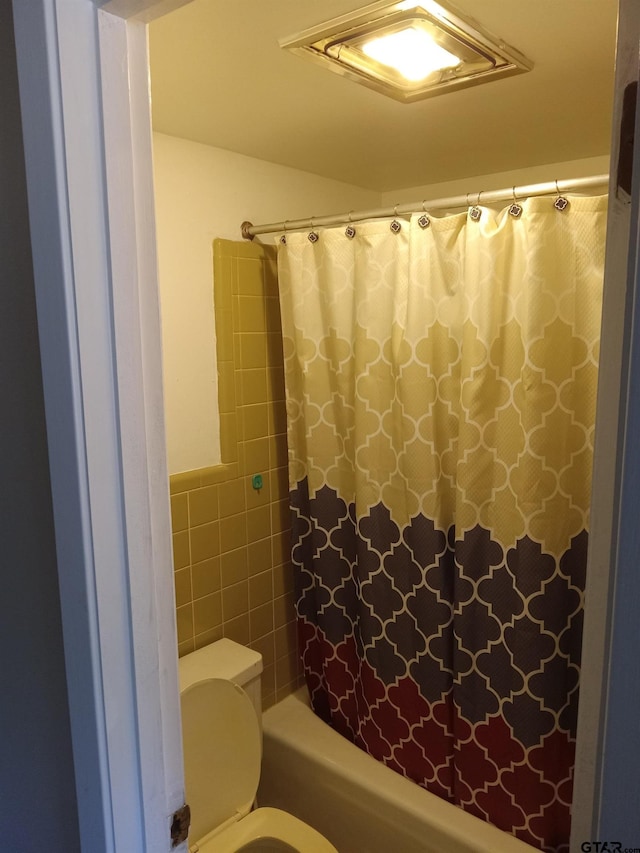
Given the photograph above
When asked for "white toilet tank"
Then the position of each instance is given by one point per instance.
(229, 660)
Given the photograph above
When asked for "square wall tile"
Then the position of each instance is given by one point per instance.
(250, 278)
(207, 613)
(286, 670)
(235, 600)
(279, 484)
(252, 314)
(280, 516)
(258, 523)
(275, 348)
(179, 512)
(270, 272)
(265, 646)
(183, 482)
(224, 334)
(286, 640)
(260, 589)
(238, 629)
(274, 323)
(227, 397)
(234, 566)
(278, 451)
(205, 577)
(277, 417)
(283, 610)
(255, 421)
(187, 647)
(261, 620)
(268, 683)
(233, 531)
(222, 279)
(208, 637)
(231, 497)
(205, 541)
(275, 383)
(281, 547)
(229, 437)
(256, 457)
(181, 553)
(253, 383)
(184, 619)
(259, 556)
(253, 350)
(283, 579)
(203, 505)
(182, 582)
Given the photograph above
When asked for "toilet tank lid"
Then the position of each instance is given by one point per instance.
(222, 659)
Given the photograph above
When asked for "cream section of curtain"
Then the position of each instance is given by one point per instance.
(450, 371)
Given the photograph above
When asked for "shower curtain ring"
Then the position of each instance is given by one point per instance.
(475, 213)
(350, 231)
(424, 220)
(395, 225)
(283, 239)
(561, 203)
(516, 209)
(313, 235)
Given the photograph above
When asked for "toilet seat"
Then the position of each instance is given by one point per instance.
(268, 824)
(222, 771)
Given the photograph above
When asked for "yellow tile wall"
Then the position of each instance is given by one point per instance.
(231, 542)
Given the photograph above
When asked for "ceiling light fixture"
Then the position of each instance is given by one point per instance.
(409, 50)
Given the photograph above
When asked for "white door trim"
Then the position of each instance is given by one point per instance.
(83, 76)
(607, 563)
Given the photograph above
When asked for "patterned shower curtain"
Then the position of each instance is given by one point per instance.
(441, 387)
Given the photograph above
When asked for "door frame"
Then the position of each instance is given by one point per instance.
(83, 76)
(84, 92)
(607, 748)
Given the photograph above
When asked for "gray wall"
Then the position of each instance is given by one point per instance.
(38, 809)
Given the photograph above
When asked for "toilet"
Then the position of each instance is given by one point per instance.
(222, 742)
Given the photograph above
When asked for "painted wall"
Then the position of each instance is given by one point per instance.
(518, 177)
(203, 193)
(38, 809)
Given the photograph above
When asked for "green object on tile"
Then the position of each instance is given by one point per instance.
(256, 482)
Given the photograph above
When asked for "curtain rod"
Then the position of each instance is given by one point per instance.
(249, 231)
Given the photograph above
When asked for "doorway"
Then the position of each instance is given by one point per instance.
(105, 236)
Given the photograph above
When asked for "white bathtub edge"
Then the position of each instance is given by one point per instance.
(293, 724)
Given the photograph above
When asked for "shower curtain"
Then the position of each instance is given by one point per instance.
(441, 382)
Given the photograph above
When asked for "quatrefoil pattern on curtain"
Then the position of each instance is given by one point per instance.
(441, 394)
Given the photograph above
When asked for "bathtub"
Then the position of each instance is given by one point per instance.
(360, 805)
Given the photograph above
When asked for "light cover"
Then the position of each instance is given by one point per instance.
(411, 52)
(374, 46)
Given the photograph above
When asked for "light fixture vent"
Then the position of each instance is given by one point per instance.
(409, 50)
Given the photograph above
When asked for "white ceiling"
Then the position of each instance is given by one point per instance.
(220, 78)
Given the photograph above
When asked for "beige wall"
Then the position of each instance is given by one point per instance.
(519, 177)
(203, 193)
